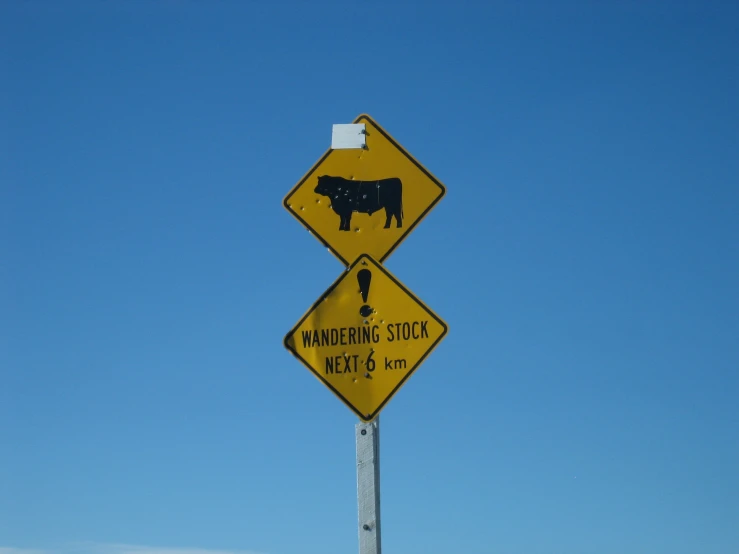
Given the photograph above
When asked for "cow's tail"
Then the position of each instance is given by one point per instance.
(402, 215)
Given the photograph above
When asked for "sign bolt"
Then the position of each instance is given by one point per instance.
(366, 527)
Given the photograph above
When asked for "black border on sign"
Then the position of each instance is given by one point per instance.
(359, 118)
(371, 260)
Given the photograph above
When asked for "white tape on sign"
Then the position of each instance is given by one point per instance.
(348, 135)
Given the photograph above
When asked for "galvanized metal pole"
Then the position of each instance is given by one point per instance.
(368, 486)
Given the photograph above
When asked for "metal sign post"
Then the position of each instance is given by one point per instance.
(368, 486)
(367, 334)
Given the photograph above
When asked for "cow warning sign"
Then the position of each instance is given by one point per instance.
(365, 336)
(364, 200)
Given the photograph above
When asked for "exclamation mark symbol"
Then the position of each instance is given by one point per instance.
(364, 277)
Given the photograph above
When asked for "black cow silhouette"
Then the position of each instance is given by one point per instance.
(366, 197)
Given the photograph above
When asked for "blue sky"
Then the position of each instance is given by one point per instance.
(585, 257)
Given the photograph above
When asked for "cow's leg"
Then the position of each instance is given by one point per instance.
(347, 226)
(342, 219)
(397, 214)
(388, 218)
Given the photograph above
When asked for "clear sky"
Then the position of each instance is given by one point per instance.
(585, 258)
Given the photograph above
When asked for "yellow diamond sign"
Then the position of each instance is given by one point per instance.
(364, 200)
(365, 336)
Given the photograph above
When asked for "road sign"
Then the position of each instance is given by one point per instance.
(364, 200)
(365, 336)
